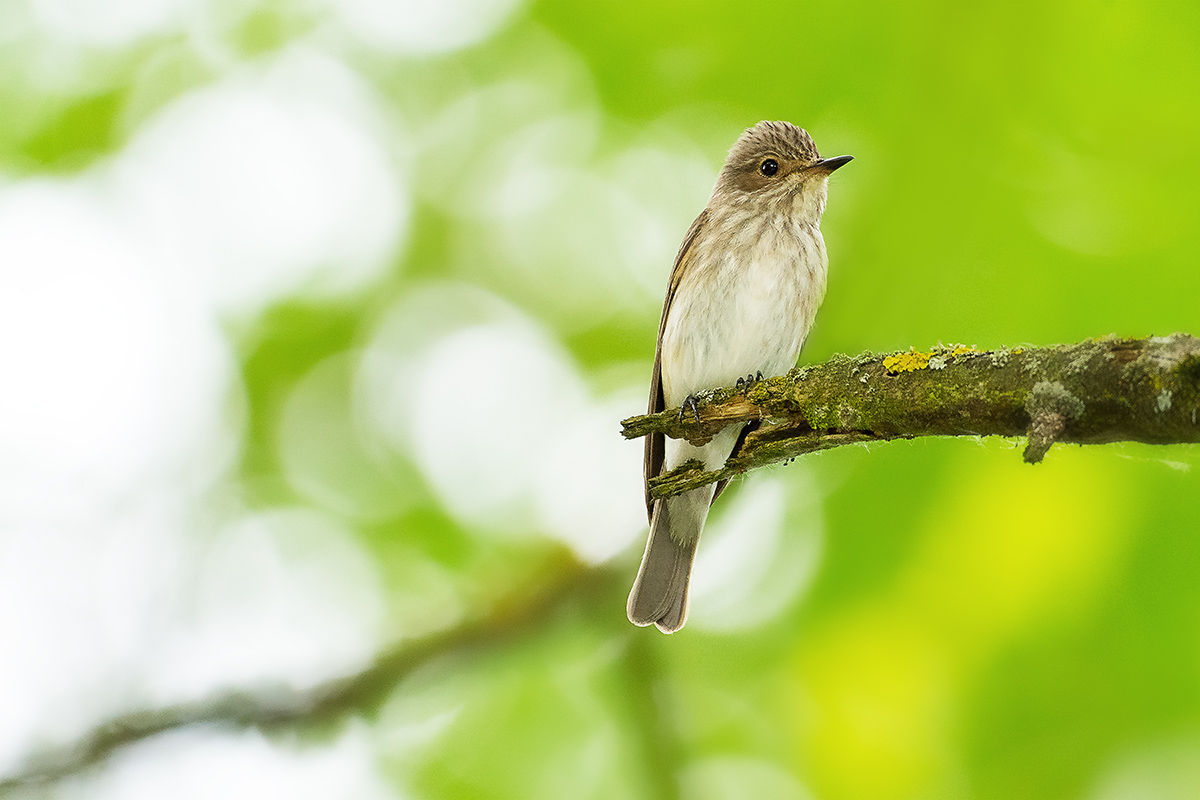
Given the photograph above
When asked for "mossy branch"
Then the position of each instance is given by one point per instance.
(1099, 390)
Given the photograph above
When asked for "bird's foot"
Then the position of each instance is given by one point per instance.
(749, 380)
(689, 404)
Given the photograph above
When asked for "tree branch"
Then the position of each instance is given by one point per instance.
(1099, 390)
(561, 581)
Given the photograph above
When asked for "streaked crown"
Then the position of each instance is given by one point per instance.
(772, 159)
(780, 139)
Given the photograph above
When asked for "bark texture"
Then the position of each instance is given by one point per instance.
(1095, 391)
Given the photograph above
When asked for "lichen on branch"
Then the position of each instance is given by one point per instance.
(1095, 391)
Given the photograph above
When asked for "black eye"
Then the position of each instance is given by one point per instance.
(769, 167)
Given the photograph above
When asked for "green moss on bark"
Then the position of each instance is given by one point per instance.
(1098, 390)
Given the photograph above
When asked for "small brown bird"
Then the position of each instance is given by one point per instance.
(742, 296)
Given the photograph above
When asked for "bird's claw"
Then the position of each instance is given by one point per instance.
(689, 403)
(749, 380)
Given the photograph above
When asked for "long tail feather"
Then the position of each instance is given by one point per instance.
(660, 593)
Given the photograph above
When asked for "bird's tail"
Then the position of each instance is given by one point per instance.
(660, 593)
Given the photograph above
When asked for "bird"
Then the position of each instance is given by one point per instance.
(742, 296)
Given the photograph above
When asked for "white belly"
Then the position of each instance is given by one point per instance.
(743, 311)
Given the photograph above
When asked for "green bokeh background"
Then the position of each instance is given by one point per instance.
(978, 628)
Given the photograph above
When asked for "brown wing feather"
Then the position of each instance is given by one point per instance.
(655, 444)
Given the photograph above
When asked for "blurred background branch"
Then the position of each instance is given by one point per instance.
(274, 706)
(1096, 391)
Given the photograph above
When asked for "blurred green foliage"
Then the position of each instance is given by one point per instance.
(1024, 172)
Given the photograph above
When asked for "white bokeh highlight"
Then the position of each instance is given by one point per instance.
(580, 240)
(759, 553)
(489, 395)
(114, 420)
(423, 27)
(500, 423)
(126, 577)
(282, 596)
(82, 602)
(106, 23)
(589, 487)
(577, 232)
(269, 184)
(212, 764)
(114, 377)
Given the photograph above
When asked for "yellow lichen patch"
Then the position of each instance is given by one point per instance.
(914, 360)
(906, 362)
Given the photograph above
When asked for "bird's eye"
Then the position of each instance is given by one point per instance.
(769, 167)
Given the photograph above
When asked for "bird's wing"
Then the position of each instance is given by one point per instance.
(655, 444)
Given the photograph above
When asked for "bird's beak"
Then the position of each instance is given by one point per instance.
(828, 165)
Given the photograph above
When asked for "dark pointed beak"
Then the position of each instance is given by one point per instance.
(830, 164)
